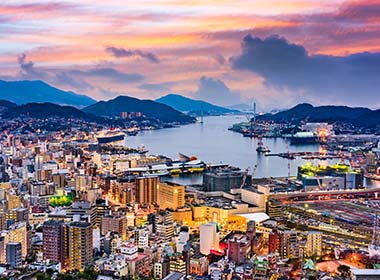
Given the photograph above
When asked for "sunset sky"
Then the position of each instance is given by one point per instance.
(276, 52)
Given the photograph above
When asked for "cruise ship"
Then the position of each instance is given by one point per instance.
(303, 137)
(110, 136)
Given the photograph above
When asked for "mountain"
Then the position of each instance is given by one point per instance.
(149, 108)
(361, 117)
(45, 110)
(5, 105)
(21, 92)
(192, 106)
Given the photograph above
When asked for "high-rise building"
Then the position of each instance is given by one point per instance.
(3, 257)
(209, 238)
(313, 246)
(275, 209)
(170, 196)
(273, 242)
(116, 224)
(101, 208)
(16, 215)
(59, 180)
(85, 210)
(17, 233)
(165, 231)
(80, 247)
(146, 189)
(288, 244)
(54, 241)
(238, 248)
(142, 237)
(178, 264)
(14, 254)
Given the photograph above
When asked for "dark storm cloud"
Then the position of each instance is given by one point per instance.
(341, 78)
(121, 52)
(215, 91)
(351, 27)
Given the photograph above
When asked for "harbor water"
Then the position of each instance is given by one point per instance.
(212, 142)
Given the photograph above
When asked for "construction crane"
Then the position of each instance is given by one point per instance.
(246, 175)
(244, 178)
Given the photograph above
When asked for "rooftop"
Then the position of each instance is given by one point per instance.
(257, 217)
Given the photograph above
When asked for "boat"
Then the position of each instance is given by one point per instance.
(303, 137)
(142, 150)
(262, 149)
(110, 136)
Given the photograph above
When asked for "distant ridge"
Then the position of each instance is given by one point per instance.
(22, 92)
(193, 107)
(149, 108)
(44, 110)
(361, 117)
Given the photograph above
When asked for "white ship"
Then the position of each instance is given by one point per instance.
(110, 136)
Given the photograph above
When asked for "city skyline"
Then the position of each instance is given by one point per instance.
(277, 53)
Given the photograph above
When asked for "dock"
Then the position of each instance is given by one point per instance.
(305, 155)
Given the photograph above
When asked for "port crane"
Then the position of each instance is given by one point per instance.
(244, 178)
(246, 175)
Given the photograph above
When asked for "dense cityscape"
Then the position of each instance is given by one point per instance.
(190, 140)
(80, 204)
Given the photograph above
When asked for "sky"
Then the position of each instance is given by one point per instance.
(275, 52)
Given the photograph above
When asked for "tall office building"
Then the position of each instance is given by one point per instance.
(146, 189)
(209, 238)
(313, 246)
(54, 241)
(80, 247)
(170, 196)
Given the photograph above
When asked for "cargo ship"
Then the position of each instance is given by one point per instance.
(303, 137)
(110, 136)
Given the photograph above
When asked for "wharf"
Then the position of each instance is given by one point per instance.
(305, 155)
